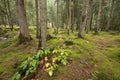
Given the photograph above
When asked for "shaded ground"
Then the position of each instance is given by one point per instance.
(97, 57)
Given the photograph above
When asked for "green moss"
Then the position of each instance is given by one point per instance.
(113, 53)
(75, 56)
(116, 38)
(54, 43)
(106, 55)
(104, 76)
(5, 44)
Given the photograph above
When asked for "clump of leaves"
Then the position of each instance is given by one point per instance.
(48, 59)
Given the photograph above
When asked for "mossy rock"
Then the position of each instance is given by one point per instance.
(68, 43)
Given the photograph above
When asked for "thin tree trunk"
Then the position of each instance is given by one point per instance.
(91, 21)
(99, 16)
(57, 28)
(9, 15)
(37, 19)
(109, 16)
(76, 12)
(3, 16)
(88, 18)
(43, 24)
(6, 13)
(73, 18)
(69, 18)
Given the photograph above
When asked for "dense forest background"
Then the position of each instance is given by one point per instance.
(109, 13)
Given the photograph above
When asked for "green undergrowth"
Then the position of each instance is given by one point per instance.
(102, 51)
(12, 54)
(10, 61)
(49, 59)
(106, 56)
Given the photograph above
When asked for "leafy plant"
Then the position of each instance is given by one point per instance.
(50, 57)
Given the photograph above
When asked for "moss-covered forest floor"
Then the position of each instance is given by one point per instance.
(97, 57)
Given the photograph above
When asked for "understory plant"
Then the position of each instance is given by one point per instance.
(49, 59)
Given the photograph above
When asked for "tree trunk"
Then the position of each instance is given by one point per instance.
(91, 21)
(99, 16)
(6, 13)
(109, 15)
(76, 14)
(57, 27)
(83, 18)
(24, 32)
(72, 16)
(89, 17)
(9, 15)
(43, 24)
(69, 17)
(37, 19)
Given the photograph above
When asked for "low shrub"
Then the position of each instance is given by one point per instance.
(48, 59)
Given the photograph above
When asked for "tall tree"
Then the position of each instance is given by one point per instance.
(24, 32)
(83, 19)
(37, 19)
(89, 16)
(72, 15)
(69, 17)
(57, 15)
(6, 13)
(9, 15)
(101, 2)
(109, 14)
(43, 24)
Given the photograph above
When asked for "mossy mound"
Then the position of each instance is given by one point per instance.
(68, 43)
(49, 37)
